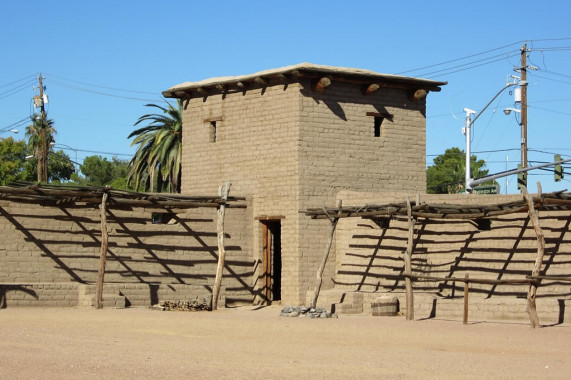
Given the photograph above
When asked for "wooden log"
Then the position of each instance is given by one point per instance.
(552, 278)
(319, 279)
(322, 84)
(221, 252)
(532, 293)
(368, 90)
(466, 291)
(261, 81)
(102, 253)
(408, 265)
(523, 281)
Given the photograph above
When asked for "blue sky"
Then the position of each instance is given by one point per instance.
(104, 60)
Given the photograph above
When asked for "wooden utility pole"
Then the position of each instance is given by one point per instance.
(524, 106)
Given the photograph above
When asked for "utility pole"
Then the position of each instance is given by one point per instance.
(524, 106)
(43, 160)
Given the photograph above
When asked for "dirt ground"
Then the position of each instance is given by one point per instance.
(256, 343)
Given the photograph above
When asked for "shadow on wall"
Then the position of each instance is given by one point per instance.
(396, 99)
(373, 260)
(16, 288)
(63, 245)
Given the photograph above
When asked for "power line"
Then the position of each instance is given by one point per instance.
(98, 152)
(16, 124)
(19, 80)
(460, 59)
(16, 89)
(102, 93)
(105, 87)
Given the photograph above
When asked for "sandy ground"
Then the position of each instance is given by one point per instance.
(255, 343)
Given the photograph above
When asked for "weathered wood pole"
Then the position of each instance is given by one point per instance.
(531, 306)
(321, 268)
(466, 293)
(408, 264)
(223, 193)
(102, 253)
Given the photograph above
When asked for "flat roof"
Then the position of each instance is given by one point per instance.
(283, 74)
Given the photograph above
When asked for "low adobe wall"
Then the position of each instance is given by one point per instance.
(369, 258)
(49, 255)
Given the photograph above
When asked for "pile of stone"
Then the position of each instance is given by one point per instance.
(306, 312)
(197, 304)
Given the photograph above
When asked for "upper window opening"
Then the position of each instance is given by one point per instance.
(378, 122)
(213, 131)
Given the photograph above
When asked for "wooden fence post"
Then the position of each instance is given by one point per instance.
(531, 306)
(321, 268)
(466, 293)
(408, 265)
(102, 253)
(223, 193)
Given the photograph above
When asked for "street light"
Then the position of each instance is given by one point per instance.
(10, 130)
(68, 147)
(509, 110)
(470, 122)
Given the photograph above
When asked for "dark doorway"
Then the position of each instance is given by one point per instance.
(272, 260)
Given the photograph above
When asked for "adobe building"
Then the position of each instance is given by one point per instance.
(292, 138)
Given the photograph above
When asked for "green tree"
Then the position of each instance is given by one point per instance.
(447, 175)
(35, 142)
(156, 165)
(99, 171)
(15, 167)
(60, 167)
(12, 160)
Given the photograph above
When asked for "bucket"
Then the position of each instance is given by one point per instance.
(385, 306)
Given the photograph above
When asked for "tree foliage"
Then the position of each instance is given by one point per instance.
(12, 160)
(15, 167)
(98, 171)
(156, 165)
(447, 175)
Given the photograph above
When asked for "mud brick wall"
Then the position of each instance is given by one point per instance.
(371, 259)
(59, 245)
(291, 148)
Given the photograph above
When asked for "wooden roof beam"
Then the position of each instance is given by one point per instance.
(321, 84)
(370, 89)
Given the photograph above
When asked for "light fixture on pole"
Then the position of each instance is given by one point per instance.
(10, 130)
(470, 122)
(56, 145)
(509, 110)
(466, 131)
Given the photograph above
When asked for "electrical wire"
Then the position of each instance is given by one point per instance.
(460, 59)
(19, 80)
(101, 93)
(16, 124)
(99, 86)
(467, 66)
(16, 90)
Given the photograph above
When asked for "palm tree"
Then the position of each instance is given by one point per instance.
(35, 141)
(156, 165)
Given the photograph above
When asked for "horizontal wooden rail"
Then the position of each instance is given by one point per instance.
(523, 281)
(555, 278)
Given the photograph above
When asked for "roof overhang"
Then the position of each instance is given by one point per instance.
(322, 76)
